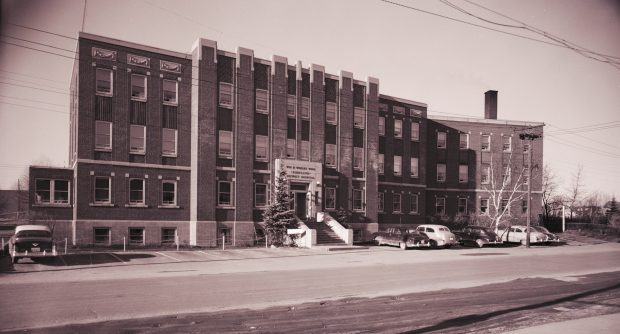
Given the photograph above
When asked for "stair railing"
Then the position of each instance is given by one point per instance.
(343, 233)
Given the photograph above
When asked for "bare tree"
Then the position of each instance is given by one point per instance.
(575, 191)
(549, 187)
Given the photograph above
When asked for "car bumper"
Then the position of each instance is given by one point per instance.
(418, 244)
(44, 253)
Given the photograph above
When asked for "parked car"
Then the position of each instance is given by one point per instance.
(518, 233)
(551, 238)
(403, 238)
(31, 241)
(440, 235)
(478, 235)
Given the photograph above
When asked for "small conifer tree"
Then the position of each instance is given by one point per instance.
(278, 217)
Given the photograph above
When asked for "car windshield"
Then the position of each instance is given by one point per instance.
(33, 234)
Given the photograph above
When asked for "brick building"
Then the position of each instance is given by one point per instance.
(165, 144)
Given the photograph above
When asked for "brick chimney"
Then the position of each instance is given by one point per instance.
(490, 104)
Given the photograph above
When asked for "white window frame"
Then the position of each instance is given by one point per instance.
(439, 200)
(304, 150)
(506, 146)
(358, 158)
(109, 199)
(507, 174)
(465, 173)
(52, 192)
(415, 131)
(225, 137)
(399, 202)
(291, 106)
(330, 155)
(331, 113)
(262, 96)
(226, 88)
(414, 167)
(327, 197)
(111, 75)
(442, 139)
(176, 197)
(359, 118)
(142, 200)
(167, 241)
(466, 136)
(143, 96)
(486, 169)
(291, 144)
(108, 236)
(504, 203)
(256, 203)
(398, 165)
(176, 143)
(482, 138)
(414, 204)
(381, 201)
(176, 92)
(441, 169)
(381, 163)
(381, 126)
(459, 206)
(305, 108)
(137, 150)
(361, 200)
(261, 145)
(486, 206)
(398, 128)
(219, 191)
(107, 147)
(130, 241)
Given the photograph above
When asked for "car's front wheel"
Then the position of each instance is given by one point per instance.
(403, 246)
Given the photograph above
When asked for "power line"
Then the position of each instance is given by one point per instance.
(43, 31)
(39, 43)
(3, 77)
(35, 77)
(44, 51)
(33, 107)
(37, 88)
(37, 101)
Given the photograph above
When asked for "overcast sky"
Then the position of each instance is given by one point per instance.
(415, 54)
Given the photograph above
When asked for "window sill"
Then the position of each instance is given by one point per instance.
(414, 214)
(169, 155)
(52, 205)
(173, 104)
(229, 157)
(137, 152)
(261, 160)
(101, 149)
(226, 106)
(138, 99)
(104, 94)
(168, 207)
(266, 112)
(136, 206)
(109, 205)
(225, 207)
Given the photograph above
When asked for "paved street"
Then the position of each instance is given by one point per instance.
(113, 286)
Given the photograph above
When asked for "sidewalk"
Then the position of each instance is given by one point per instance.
(602, 324)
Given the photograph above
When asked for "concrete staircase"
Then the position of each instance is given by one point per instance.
(324, 234)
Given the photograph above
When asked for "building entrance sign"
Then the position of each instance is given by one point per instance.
(310, 174)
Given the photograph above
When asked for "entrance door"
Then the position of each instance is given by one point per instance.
(300, 205)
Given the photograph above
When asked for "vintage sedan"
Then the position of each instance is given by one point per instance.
(478, 235)
(440, 235)
(31, 241)
(403, 238)
(552, 238)
(518, 234)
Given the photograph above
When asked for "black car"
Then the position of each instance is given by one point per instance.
(31, 241)
(551, 238)
(403, 238)
(477, 235)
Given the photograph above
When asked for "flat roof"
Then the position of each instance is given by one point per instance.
(401, 100)
(486, 121)
(132, 45)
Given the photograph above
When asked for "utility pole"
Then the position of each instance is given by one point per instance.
(530, 137)
(19, 204)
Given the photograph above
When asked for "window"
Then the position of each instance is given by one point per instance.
(291, 148)
(226, 95)
(381, 126)
(380, 163)
(526, 147)
(260, 195)
(415, 131)
(224, 193)
(168, 193)
(330, 112)
(462, 205)
(463, 173)
(485, 142)
(398, 128)
(381, 202)
(357, 199)
(398, 110)
(103, 135)
(51, 191)
(485, 174)
(358, 158)
(484, 205)
(330, 155)
(305, 107)
(441, 172)
(102, 190)
(262, 148)
(291, 105)
(102, 236)
(262, 101)
(398, 165)
(169, 142)
(168, 235)
(414, 204)
(226, 144)
(396, 203)
(136, 236)
(503, 206)
(138, 87)
(464, 141)
(506, 174)
(440, 205)
(359, 117)
(414, 167)
(136, 191)
(104, 81)
(330, 198)
(441, 140)
(524, 206)
(506, 143)
(170, 91)
(304, 150)
(383, 107)
(137, 139)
